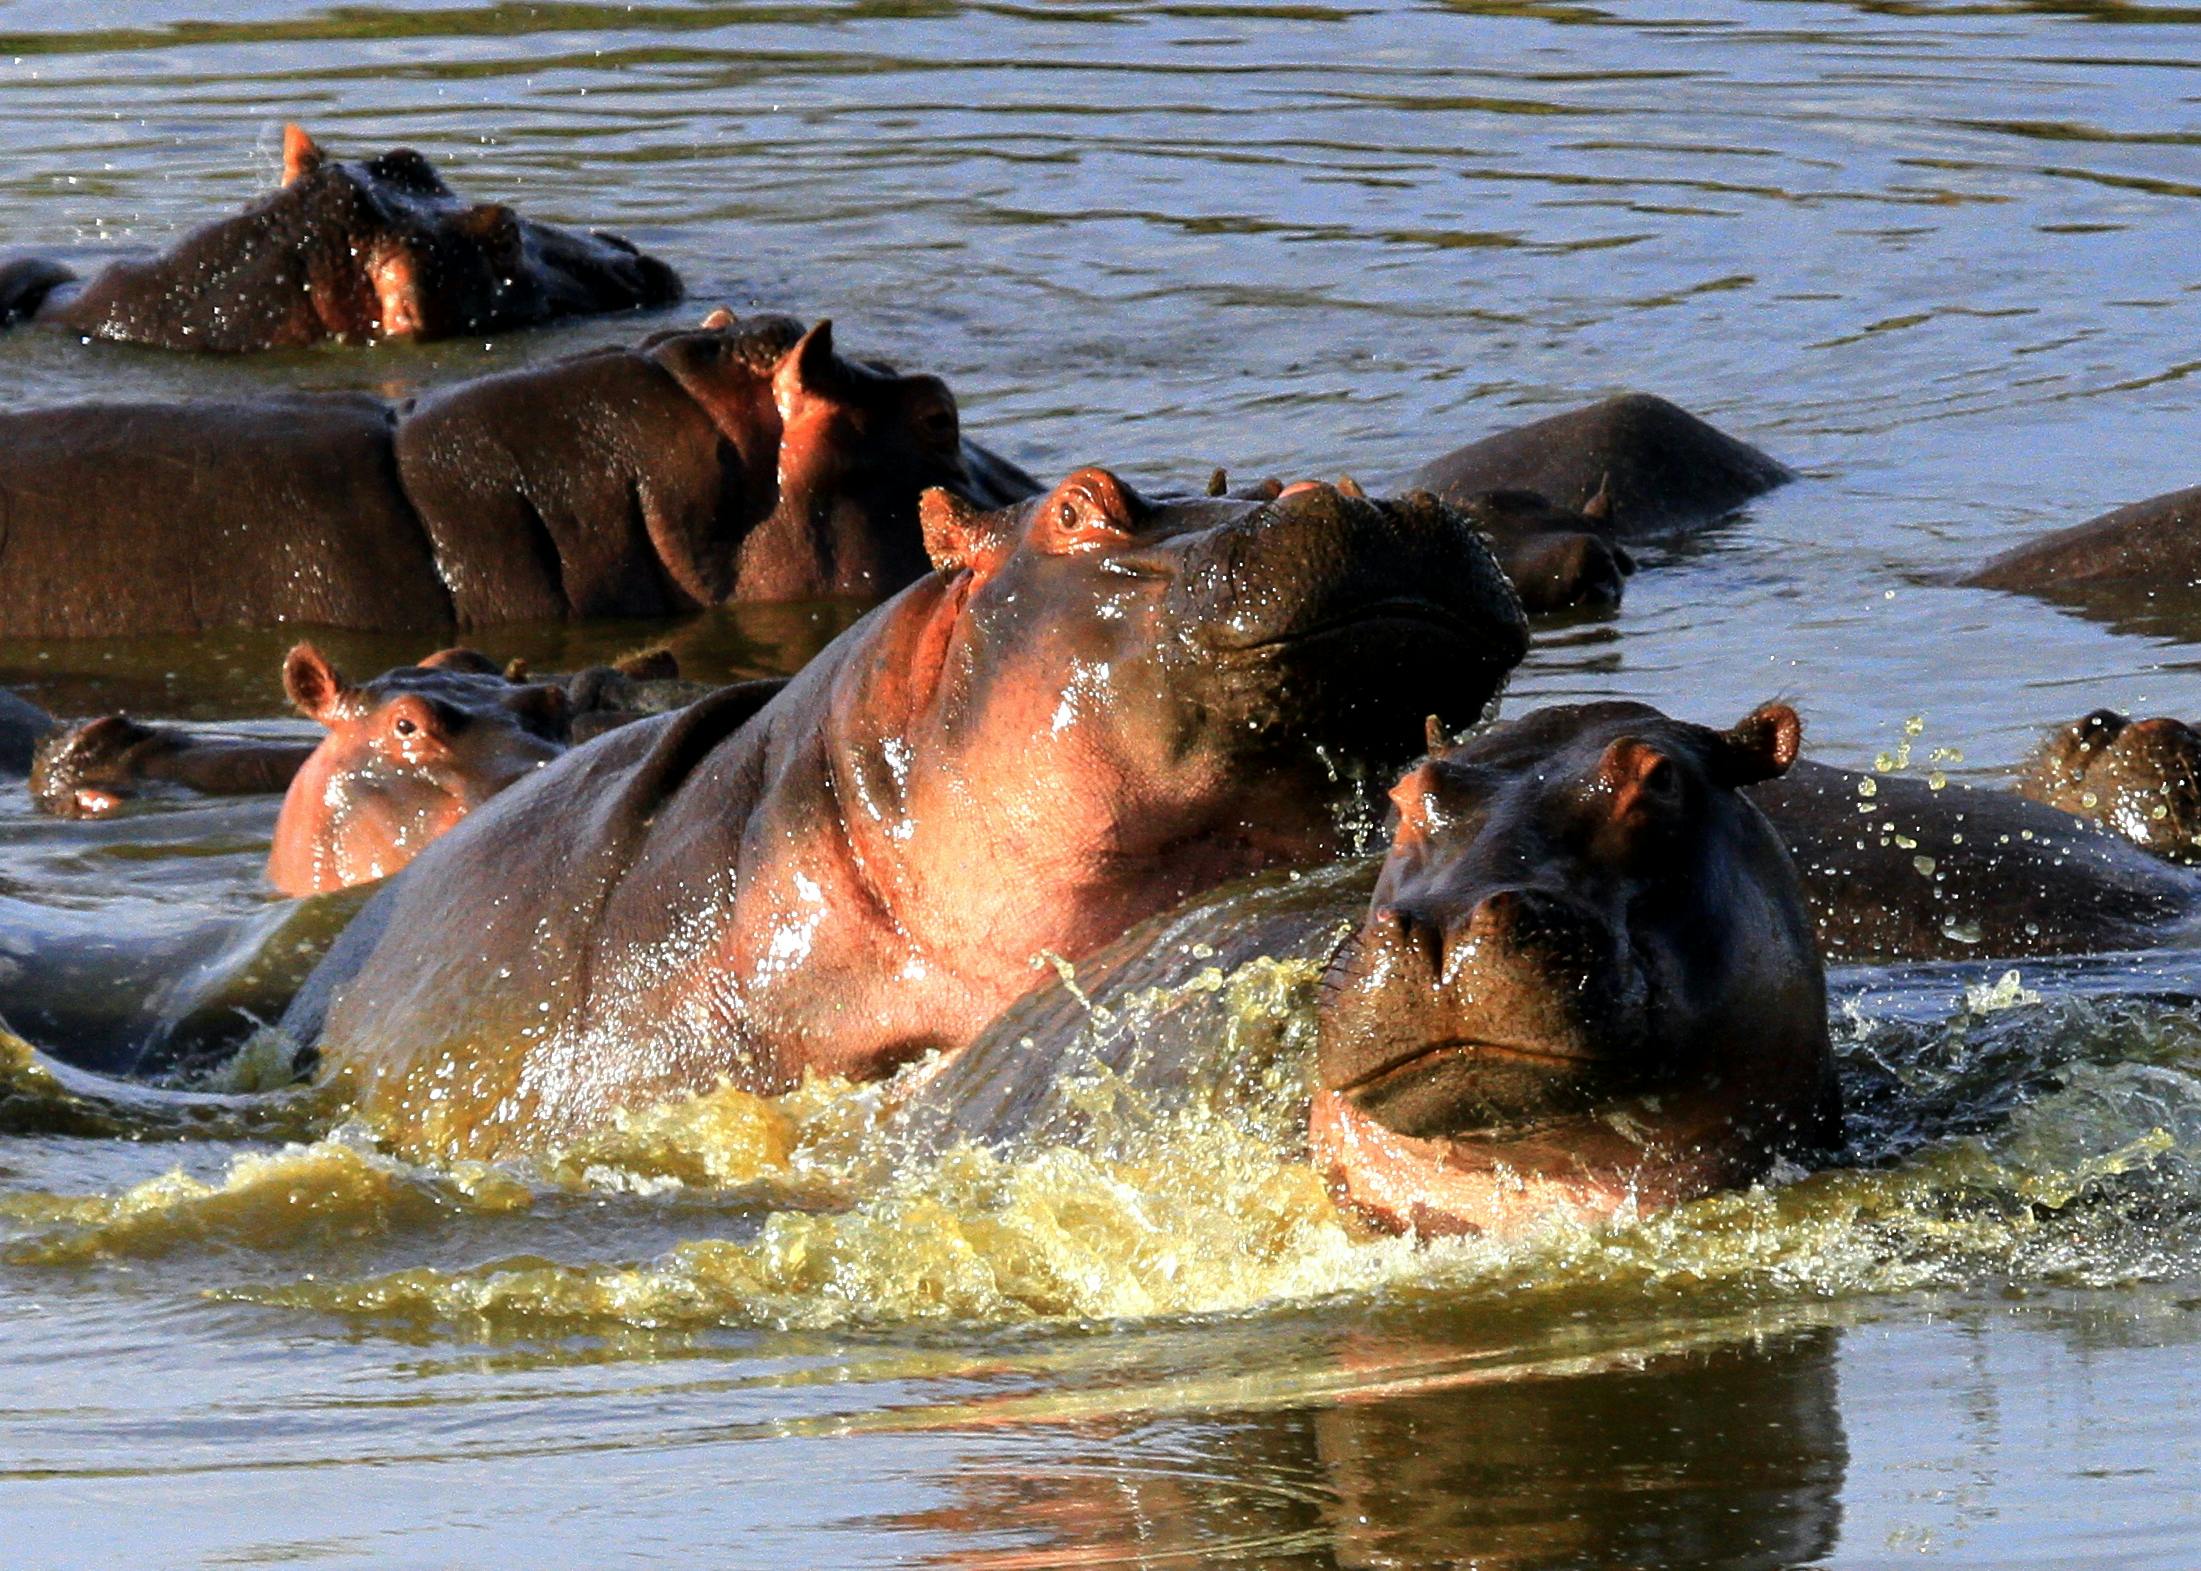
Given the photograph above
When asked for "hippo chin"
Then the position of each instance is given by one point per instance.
(1097, 705)
(1582, 982)
(736, 461)
(351, 252)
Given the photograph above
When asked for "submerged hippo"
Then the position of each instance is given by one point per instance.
(1897, 869)
(406, 756)
(1095, 707)
(2146, 547)
(1635, 465)
(2140, 778)
(353, 252)
(23, 725)
(736, 461)
(1582, 981)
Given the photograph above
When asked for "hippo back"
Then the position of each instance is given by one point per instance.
(1213, 1000)
(1659, 466)
(141, 518)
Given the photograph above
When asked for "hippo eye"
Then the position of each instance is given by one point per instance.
(404, 727)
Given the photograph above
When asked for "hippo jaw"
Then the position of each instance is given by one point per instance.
(1585, 985)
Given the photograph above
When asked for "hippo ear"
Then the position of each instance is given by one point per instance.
(1218, 484)
(314, 685)
(1348, 486)
(1434, 741)
(1760, 746)
(1599, 508)
(959, 535)
(542, 708)
(459, 658)
(492, 226)
(720, 320)
(302, 155)
(807, 373)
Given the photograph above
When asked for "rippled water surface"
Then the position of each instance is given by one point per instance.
(1940, 258)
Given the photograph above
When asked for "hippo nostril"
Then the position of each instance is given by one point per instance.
(1413, 935)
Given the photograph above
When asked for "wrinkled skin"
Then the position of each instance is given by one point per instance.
(1095, 707)
(352, 252)
(1584, 961)
(1587, 981)
(1657, 468)
(737, 461)
(2138, 778)
(406, 756)
(2148, 547)
(1896, 870)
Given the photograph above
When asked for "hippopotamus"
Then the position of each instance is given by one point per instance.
(1633, 466)
(1897, 868)
(1582, 982)
(2144, 549)
(351, 252)
(406, 755)
(2139, 778)
(1096, 705)
(23, 725)
(736, 461)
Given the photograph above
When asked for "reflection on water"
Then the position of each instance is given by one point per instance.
(1933, 255)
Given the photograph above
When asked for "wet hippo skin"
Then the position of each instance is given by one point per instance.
(352, 252)
(737, 461)
(1096, 705)
(2155, 543)
(1898, 870)
(1581, 980)
(1650, 466)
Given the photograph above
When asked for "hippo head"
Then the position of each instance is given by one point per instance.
(2141, 778)
(1587, 979)
(835, 454)
(407, 756)
(1559, 558)
(393, 252)
(1104, 703)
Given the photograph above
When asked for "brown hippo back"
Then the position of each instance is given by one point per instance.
(161, 518)
(1097, 706)
(1896, 869)
(1655, 466)
(2152, 543)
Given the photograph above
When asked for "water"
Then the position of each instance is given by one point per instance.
(1935, 256)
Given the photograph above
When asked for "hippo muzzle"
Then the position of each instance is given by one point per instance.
(1323, 608)
(1445, 1015)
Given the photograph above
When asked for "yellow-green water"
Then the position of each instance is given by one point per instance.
(1935, 256)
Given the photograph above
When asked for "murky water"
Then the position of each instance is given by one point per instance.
(1937, 257)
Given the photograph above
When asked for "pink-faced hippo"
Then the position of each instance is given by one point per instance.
(736, 461)
(353, 252)
(1097, 705)
(405, 756)
(1581, 982)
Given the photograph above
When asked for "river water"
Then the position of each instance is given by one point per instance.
(1937, 257)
